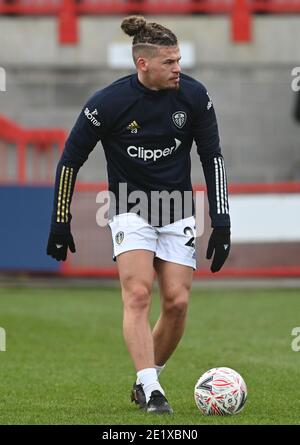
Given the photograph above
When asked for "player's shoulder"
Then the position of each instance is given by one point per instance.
(110, 94)
(191, 87)
(114, 89)
(124, 83)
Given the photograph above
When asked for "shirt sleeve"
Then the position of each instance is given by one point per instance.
(87, 131)
(206, 136)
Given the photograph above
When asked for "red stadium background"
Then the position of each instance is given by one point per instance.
(39, 149)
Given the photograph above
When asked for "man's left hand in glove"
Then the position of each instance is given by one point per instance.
(219, 245)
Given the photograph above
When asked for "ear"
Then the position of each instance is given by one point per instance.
(142, 64)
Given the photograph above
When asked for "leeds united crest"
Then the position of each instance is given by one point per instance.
(179, 118)
(119, 237)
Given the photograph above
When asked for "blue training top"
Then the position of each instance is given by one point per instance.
(147, 137)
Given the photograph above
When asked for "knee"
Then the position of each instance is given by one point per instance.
(176, 303)
(137, 299)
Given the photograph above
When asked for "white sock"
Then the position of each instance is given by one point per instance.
(158, 368)
(148, 379)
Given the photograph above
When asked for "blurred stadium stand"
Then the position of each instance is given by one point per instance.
(67, 11)
(245, 59)
(28, 155)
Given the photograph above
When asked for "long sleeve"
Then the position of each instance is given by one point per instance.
(207, 139)
(84, 136)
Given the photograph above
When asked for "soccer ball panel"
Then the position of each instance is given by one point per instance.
(220, 391)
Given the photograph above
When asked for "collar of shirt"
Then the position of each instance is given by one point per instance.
(155, 93)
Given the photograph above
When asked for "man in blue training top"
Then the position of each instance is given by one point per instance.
(147, 123)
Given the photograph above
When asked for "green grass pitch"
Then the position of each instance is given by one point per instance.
(66, 361)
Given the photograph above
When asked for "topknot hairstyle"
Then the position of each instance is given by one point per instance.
(147, 33)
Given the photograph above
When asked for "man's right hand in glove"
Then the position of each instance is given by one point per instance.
(58, 245)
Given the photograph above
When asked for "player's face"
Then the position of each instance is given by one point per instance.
(163, 71)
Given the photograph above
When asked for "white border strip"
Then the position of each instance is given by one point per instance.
(265, 218)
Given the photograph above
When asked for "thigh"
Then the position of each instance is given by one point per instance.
(136, 269)
(174, 280)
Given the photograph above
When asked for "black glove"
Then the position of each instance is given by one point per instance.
(219, 243)
(58, 245)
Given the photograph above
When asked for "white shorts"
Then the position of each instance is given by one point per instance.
(174, 242)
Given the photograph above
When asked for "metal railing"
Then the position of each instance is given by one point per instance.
(68, 11)
(18, 145)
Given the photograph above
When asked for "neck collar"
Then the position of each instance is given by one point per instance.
(155, 93)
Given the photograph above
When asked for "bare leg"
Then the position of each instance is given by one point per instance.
(136, 276)
(174, 283)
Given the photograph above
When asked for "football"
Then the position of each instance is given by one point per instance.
(220, 391)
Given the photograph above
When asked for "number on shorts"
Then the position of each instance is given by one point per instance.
(191, 241)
